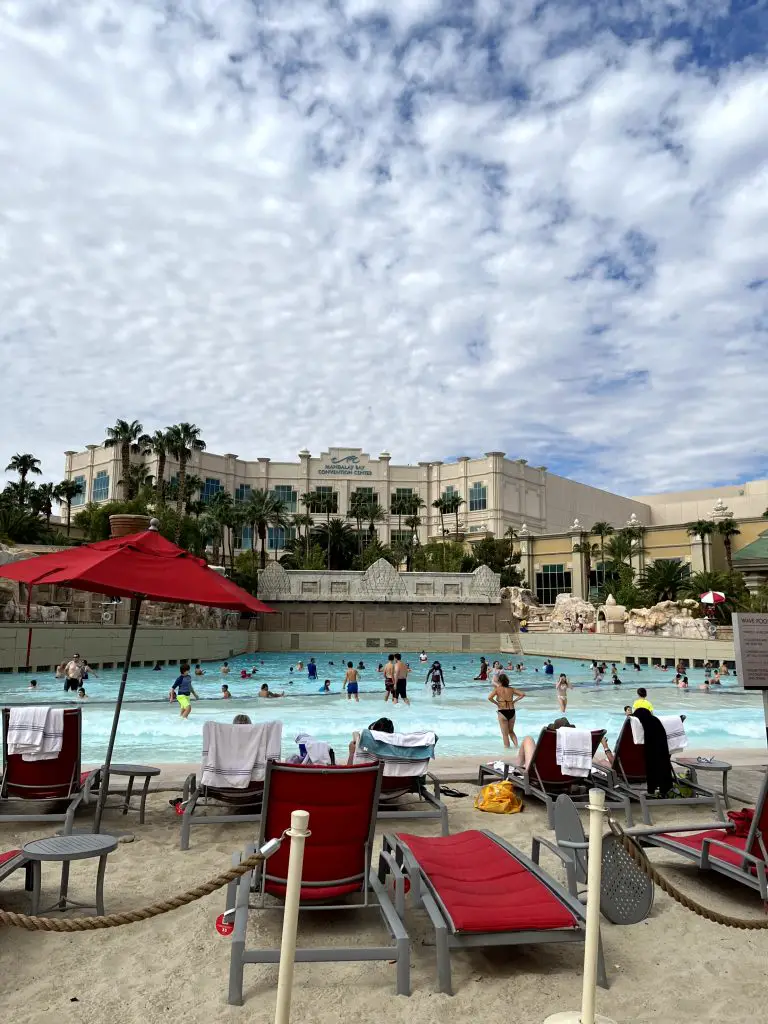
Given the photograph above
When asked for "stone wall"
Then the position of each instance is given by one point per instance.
(376, 617)
(52, 644)
(619, 647)
(381, 582)
(378, 646)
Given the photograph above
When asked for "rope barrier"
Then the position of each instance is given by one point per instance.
(640, 858)
(87, 924)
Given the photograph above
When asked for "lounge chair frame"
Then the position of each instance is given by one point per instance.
(373, 896)
(447, 938)
(532, 783)
(707, 859)
(618, 781)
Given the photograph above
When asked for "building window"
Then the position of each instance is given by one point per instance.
(449, 492)
(100, 489)
(400, 537)
(79, 499)
(319, 497)
(286, 494)
(478, 498)
(242, 493)
(210, 488)
(551, 581)
(278, 537)
(242, 537)
(398, 495)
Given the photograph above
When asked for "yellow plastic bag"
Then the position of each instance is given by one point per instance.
(499, 798)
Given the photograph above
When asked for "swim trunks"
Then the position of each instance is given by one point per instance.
(183, 701)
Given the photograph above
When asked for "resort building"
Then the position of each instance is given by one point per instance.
(549, 513)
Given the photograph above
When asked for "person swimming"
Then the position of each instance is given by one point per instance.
(264, 691)
(225, 694)
(326, 687)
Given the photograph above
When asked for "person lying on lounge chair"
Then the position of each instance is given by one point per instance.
(524, 755)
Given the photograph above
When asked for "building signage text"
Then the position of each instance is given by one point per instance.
(348, 465)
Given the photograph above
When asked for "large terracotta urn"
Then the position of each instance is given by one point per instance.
(122, 525)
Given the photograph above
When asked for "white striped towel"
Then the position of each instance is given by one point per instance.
(36, 733)
(405, 755)
(675, 730)
(236, 755)
(574, 751)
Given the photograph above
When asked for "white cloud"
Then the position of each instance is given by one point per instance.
(296, 226)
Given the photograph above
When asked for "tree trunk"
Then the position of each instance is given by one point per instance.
(125, 452)
(182, 484)
(69, 517)
(457, 524)
(728, 553)
(328, 524)
(703, 539)
(263, 549)
(252, 527)
(161, 478)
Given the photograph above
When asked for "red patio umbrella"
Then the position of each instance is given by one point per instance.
(140, 566)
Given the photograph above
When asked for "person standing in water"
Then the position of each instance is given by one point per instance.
(401, 679)
(562, 686)
(549, 668)
(182, 691)
(505, 696)
(312, 670)
(435, 676)
(389, 679)
(351, 682)
(483, 674)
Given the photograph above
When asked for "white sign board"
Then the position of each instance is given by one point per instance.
(750, 641)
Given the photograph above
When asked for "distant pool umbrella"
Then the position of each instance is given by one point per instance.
(142, 566)
(712, 597)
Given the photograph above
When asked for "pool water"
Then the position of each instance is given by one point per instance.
(151, 730)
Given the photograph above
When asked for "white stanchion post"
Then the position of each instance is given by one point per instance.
(298, 833)
(592, 936)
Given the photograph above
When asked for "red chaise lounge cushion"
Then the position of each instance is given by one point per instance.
(486, 889)
(737, 844)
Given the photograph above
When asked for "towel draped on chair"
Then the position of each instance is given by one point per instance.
(404, 754)
(36, 733)
(236, 755)
(318, 752)
(574, 751)
(673, 727)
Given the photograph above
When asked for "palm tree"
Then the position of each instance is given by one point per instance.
(125, 436)
(453, 503)
(357, 504)
(338, 539)
(413, 523)
(372, 514)
(192, 485)
(325, 504)
(302, 520)
(439, 504)
(45, 495)
(139, 477)
(260, 511)
(728, 529)
(619, 548)
(602, 530)
(664, 579)
(587, 550)
(23, 464)
(183, 439)
(67, 491)
(511, 534)
(701, 528)
(157, 444)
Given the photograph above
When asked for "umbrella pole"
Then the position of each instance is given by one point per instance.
(104, 788)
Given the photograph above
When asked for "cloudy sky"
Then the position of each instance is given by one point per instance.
(433, 226)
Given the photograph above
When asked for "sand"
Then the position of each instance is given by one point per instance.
(674, 967)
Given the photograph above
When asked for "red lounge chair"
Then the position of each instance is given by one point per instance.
(478, 891)
(12, 861)
(57, 786)
(544, 778)
(337, 874)
(716, 847)
(627, 777)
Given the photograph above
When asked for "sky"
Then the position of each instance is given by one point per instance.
(426, 226)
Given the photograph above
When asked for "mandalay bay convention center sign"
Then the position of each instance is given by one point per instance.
(346, 465)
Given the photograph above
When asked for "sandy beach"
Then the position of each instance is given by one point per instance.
(674, 967)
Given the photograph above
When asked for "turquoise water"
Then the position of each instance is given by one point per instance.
(151, 730)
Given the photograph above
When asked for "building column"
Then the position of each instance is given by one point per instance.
(437, 492)
(89, 487)
(495, 504)
(527, 567)
(425, 513)
(385, 457)
(579, 587)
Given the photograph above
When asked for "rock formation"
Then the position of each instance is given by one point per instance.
(567, 610)
(668, 619)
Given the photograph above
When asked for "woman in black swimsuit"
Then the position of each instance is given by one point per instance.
(505, 697)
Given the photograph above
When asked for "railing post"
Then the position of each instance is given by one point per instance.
(298, 833)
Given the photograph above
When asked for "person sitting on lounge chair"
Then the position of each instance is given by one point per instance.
(524, 755)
